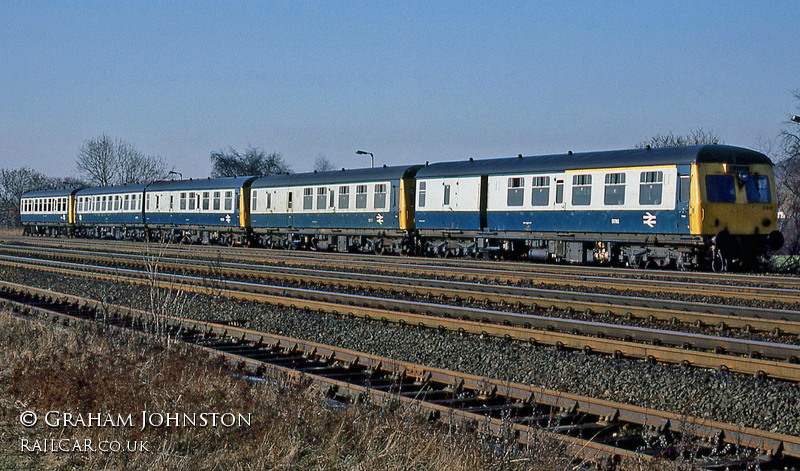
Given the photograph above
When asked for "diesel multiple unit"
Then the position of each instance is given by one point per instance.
(685, 206)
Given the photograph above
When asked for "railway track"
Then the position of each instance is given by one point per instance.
(591, 429)
(742, 287)
(763, 359)
(774, 321)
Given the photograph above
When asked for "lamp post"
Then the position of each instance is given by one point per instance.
(371, 157)
(173, 172)
(795, 118)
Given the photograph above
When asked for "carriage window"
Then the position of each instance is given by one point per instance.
(192, 201)
(269, 200)
(126, 202)
(422, 186)
(615, 189)
(205, 201)
(581, 190)
(361, 196)
(380, 196)
(650, 187)
(103, 204)
(344, 197)
(216, 201)
(228, 201)
(289, 200)
(757, 187)
(446, 200)
(322, 198)
(254, 205)
(720, 189)
(516, 191)
(684, 192)
(541, 191)
(308, 198)
(183, 201)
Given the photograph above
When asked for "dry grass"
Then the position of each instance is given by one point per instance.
(10, 231)
(84, 370)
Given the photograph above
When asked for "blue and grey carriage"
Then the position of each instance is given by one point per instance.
(48, 212)
(111, 212)
(369, 210)
(214, 210)
(637, 206)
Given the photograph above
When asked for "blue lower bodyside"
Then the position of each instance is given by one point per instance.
(628, 221)
(448, 220)
(44, 218)
(227, 220)
(372, 220)
(126, 219)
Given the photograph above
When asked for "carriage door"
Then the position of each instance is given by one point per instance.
(558, 204)
(483, 201)
(289, 208)
(683, 203)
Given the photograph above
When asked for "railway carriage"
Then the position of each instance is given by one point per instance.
(370, 210)
(215, 210)
(113, 212)
(696, 205)
(685, 206)
(48, 212)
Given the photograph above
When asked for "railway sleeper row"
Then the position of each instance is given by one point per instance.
(739, 292)
(510, 270)
(762, 359)
(698, 314)
(590, 428)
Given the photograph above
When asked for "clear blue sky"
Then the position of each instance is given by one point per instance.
(408, 81)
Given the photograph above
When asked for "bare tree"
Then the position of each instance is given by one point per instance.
(15, 182)
(104, 161)
(322, 164)
(787, 178)
(693, 138)
(96, 160)
(254, 161)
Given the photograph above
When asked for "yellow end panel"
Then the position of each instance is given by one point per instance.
(244, 207)
(71, 209)
(407, 221)
(739, 217)
(695, 205)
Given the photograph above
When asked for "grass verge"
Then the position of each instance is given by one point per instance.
(83, 370)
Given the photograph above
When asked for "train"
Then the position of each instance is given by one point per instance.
(707, 206)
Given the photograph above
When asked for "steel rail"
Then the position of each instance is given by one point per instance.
(699, 314)
(516, 272)
(234, 339)
(758, 358)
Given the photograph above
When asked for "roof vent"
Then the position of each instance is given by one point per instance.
(471, 159)
(519, 156)
(647, 147)
(342, 169)
(315, 170)
(384, 165)
(427, 163)
(569, 153)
